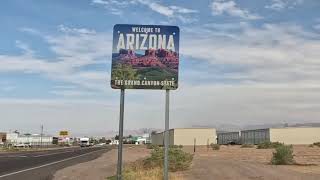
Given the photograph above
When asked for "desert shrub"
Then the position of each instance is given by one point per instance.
(317, 144)
(283, 155)
(151, 168)
(247, 146)
(215, 146)
(173, 146)
(269, 145)
(310, 145)
(178, 159)
(136, 171)
(152, 146)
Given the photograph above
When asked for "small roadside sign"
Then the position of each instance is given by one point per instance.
(63, 133)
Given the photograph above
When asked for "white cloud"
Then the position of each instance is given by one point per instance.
(183, 10)
(279, 5)
(270, 54)
(220, 7)
(169, 11)
(317, 26)
(74, 48)
(66, 29)
(157, 7)
(30, 30)
(113, 6)
(26, 49)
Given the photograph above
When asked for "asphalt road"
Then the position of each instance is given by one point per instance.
(41, 165)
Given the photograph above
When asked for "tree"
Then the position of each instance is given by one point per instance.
(102, 140)
(124, 71)
(116, 137)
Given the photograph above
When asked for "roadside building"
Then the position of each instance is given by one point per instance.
(66, 141)
(289, 135)
(30, 139)
(144, 139)
(187, 136)
(228, 138)
(3, 137)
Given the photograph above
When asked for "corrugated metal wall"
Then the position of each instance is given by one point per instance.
(157, 139)
(255, 136)
(229, 137)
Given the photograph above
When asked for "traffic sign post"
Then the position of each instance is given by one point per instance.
(119, 168)
(166, 138)
(144, 57)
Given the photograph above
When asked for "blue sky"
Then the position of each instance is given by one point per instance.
(242, 62)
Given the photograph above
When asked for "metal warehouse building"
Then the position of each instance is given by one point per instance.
(229, 138)
(187, 136)
(301, 135)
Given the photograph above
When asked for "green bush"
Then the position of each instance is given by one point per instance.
(317, 144)
(269, 145)
(173, 146)
(215, 146)
(247, 146)
(178, 159)
(152, 146)
(283, 155)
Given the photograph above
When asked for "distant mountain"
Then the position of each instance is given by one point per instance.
(232, 127)
(305, 125)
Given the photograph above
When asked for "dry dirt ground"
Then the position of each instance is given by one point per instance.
(229, 163)
(101, 167)
(235, 163)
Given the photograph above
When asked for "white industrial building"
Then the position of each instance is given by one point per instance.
(33, 139)
(289, 135)
(187, 136)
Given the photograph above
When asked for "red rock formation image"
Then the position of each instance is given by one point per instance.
(151, 58)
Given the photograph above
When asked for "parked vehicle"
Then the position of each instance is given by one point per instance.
(84, 142)
(22, 145)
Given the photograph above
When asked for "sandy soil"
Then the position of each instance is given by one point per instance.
(233, 162)
(101, 167)
(230, 162)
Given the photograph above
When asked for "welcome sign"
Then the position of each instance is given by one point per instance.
(145, 57)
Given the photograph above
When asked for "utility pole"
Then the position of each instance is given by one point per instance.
(41, 135)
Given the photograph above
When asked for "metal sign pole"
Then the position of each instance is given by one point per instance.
(41, 136)
(119, 168)
(166, 137)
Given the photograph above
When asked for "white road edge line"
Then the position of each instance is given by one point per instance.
(41, 155)
(49, 164)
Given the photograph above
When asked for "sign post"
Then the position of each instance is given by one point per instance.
(144, 57)
(166, 138)
(119, 168)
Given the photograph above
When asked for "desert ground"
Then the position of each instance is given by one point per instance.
(230, 162)
(233, 162)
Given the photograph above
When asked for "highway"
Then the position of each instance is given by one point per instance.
(41, 165)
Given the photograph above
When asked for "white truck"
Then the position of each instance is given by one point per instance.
(84, 142)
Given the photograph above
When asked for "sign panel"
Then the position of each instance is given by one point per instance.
(145, 57)
(63, 133)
